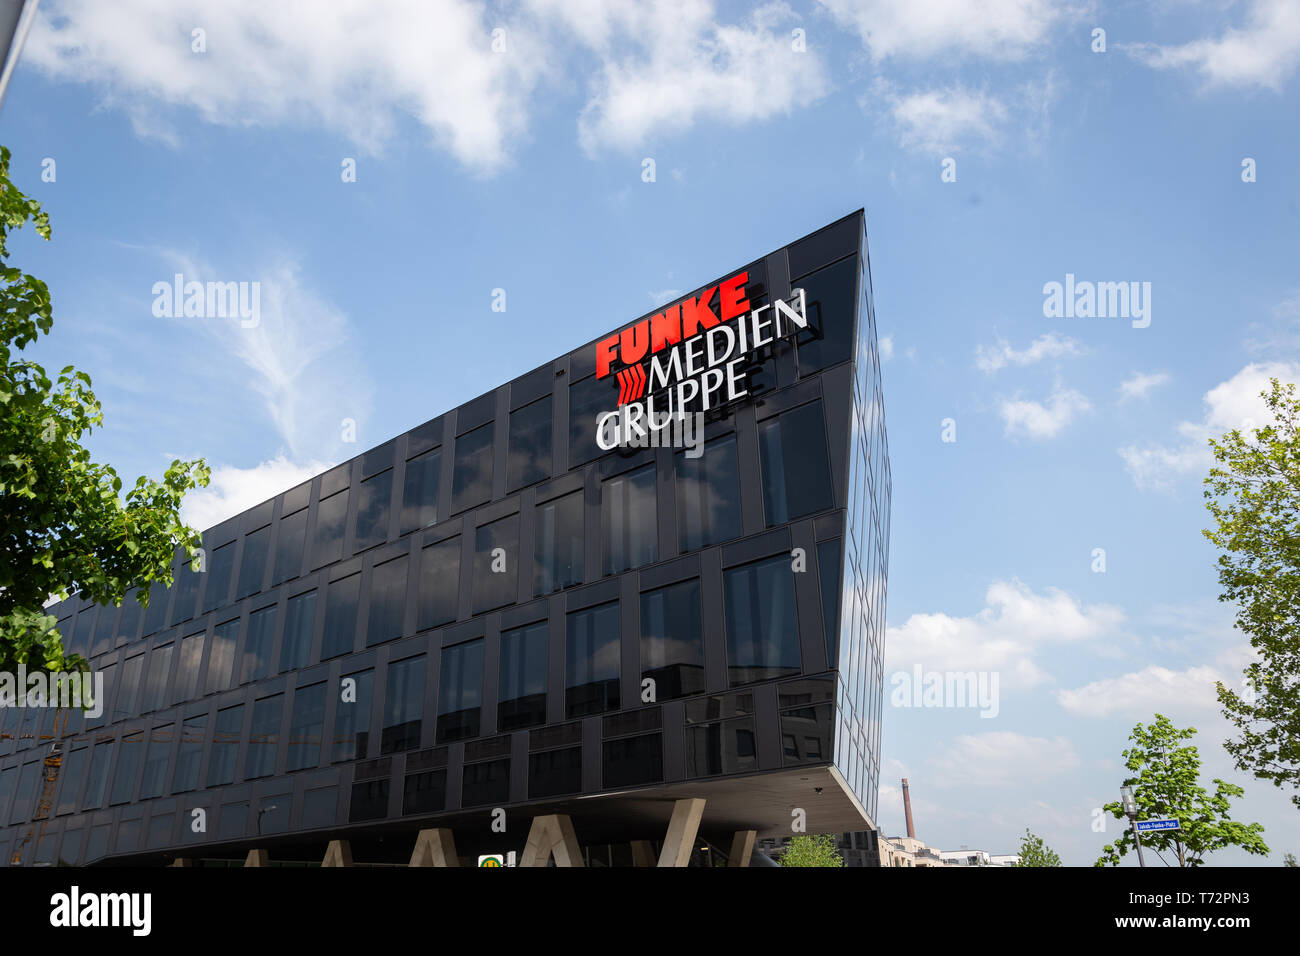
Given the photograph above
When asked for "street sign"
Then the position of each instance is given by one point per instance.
(1145, 825)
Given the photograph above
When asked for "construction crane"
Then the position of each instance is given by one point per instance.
(49, 779)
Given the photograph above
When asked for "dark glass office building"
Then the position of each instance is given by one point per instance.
(494, 611)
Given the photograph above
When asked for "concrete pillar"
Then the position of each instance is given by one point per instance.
(552, 834)
(435, 847)
(338, 853)
(742, 847)
(683, 826)
(643, 853)
(182, 861)
(258, 858)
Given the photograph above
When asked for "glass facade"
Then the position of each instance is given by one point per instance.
(489, 609)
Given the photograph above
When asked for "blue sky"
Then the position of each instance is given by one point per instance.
(522, 169)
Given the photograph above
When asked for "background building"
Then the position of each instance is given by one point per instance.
(465, 618)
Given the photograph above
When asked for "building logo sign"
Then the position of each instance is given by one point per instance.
(699, 359)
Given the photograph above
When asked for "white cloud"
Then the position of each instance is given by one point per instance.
(1235, 403)
(1002, 759)
(1152, 690)
(942, 121)
(1003, 636)
(1140, 383)
(994, 29)
(886, 346)
(361, 69)
(355, 68)
(1030, 419)
(1050, 345)
(1281, 333)
(666, 65)
(233, 490)
(299, 357)
(1264, 53)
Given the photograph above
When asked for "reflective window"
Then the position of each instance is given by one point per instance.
(831, 298)
(129, 622)
(725, 746)
(627, 519)
(299, 619)
(155, 765)
(187, 669)
(84, 635)
(708, 495)
(555, 772)
(374, 498)
(155, 616)
(320, 807)
(806, 735)
(104, 705)
(100, 759)
(186, 586)
(160, 830)
(341, 617)
(591, 663)
(128, 762)
(828, 561)
(762, 625)
(530, 444)
(521, 679)
(587, 399)
(496, 564)
(471, 482)
(672, 640)
(160, 665)
(104, 630)
(484, 783)
(631, 761)
(403, 706)
(331, 514)
(132, 671)
(460, 691)
(264, 737)
(288, 549)
(71, 776)
(305, 727)
(558, 543)
(369, 800)
(190, 753)
(424, 792)
(221, 657)
(352, 718)
(225, 746)
(70, 848)
(796, 468)
(257, 646)
(420, 491)
(97, 844)
(440, 583)
(252, 566)
(221, 566)
(387, 601)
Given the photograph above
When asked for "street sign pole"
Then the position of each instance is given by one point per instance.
(1137, 838)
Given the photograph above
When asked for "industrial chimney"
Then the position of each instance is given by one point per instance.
(907, 807)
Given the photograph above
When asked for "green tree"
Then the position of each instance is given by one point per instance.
(1034, 852)
(818, 850)
(1289, 860)
(1253, 493)
(1167, 785)
(64, 525)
